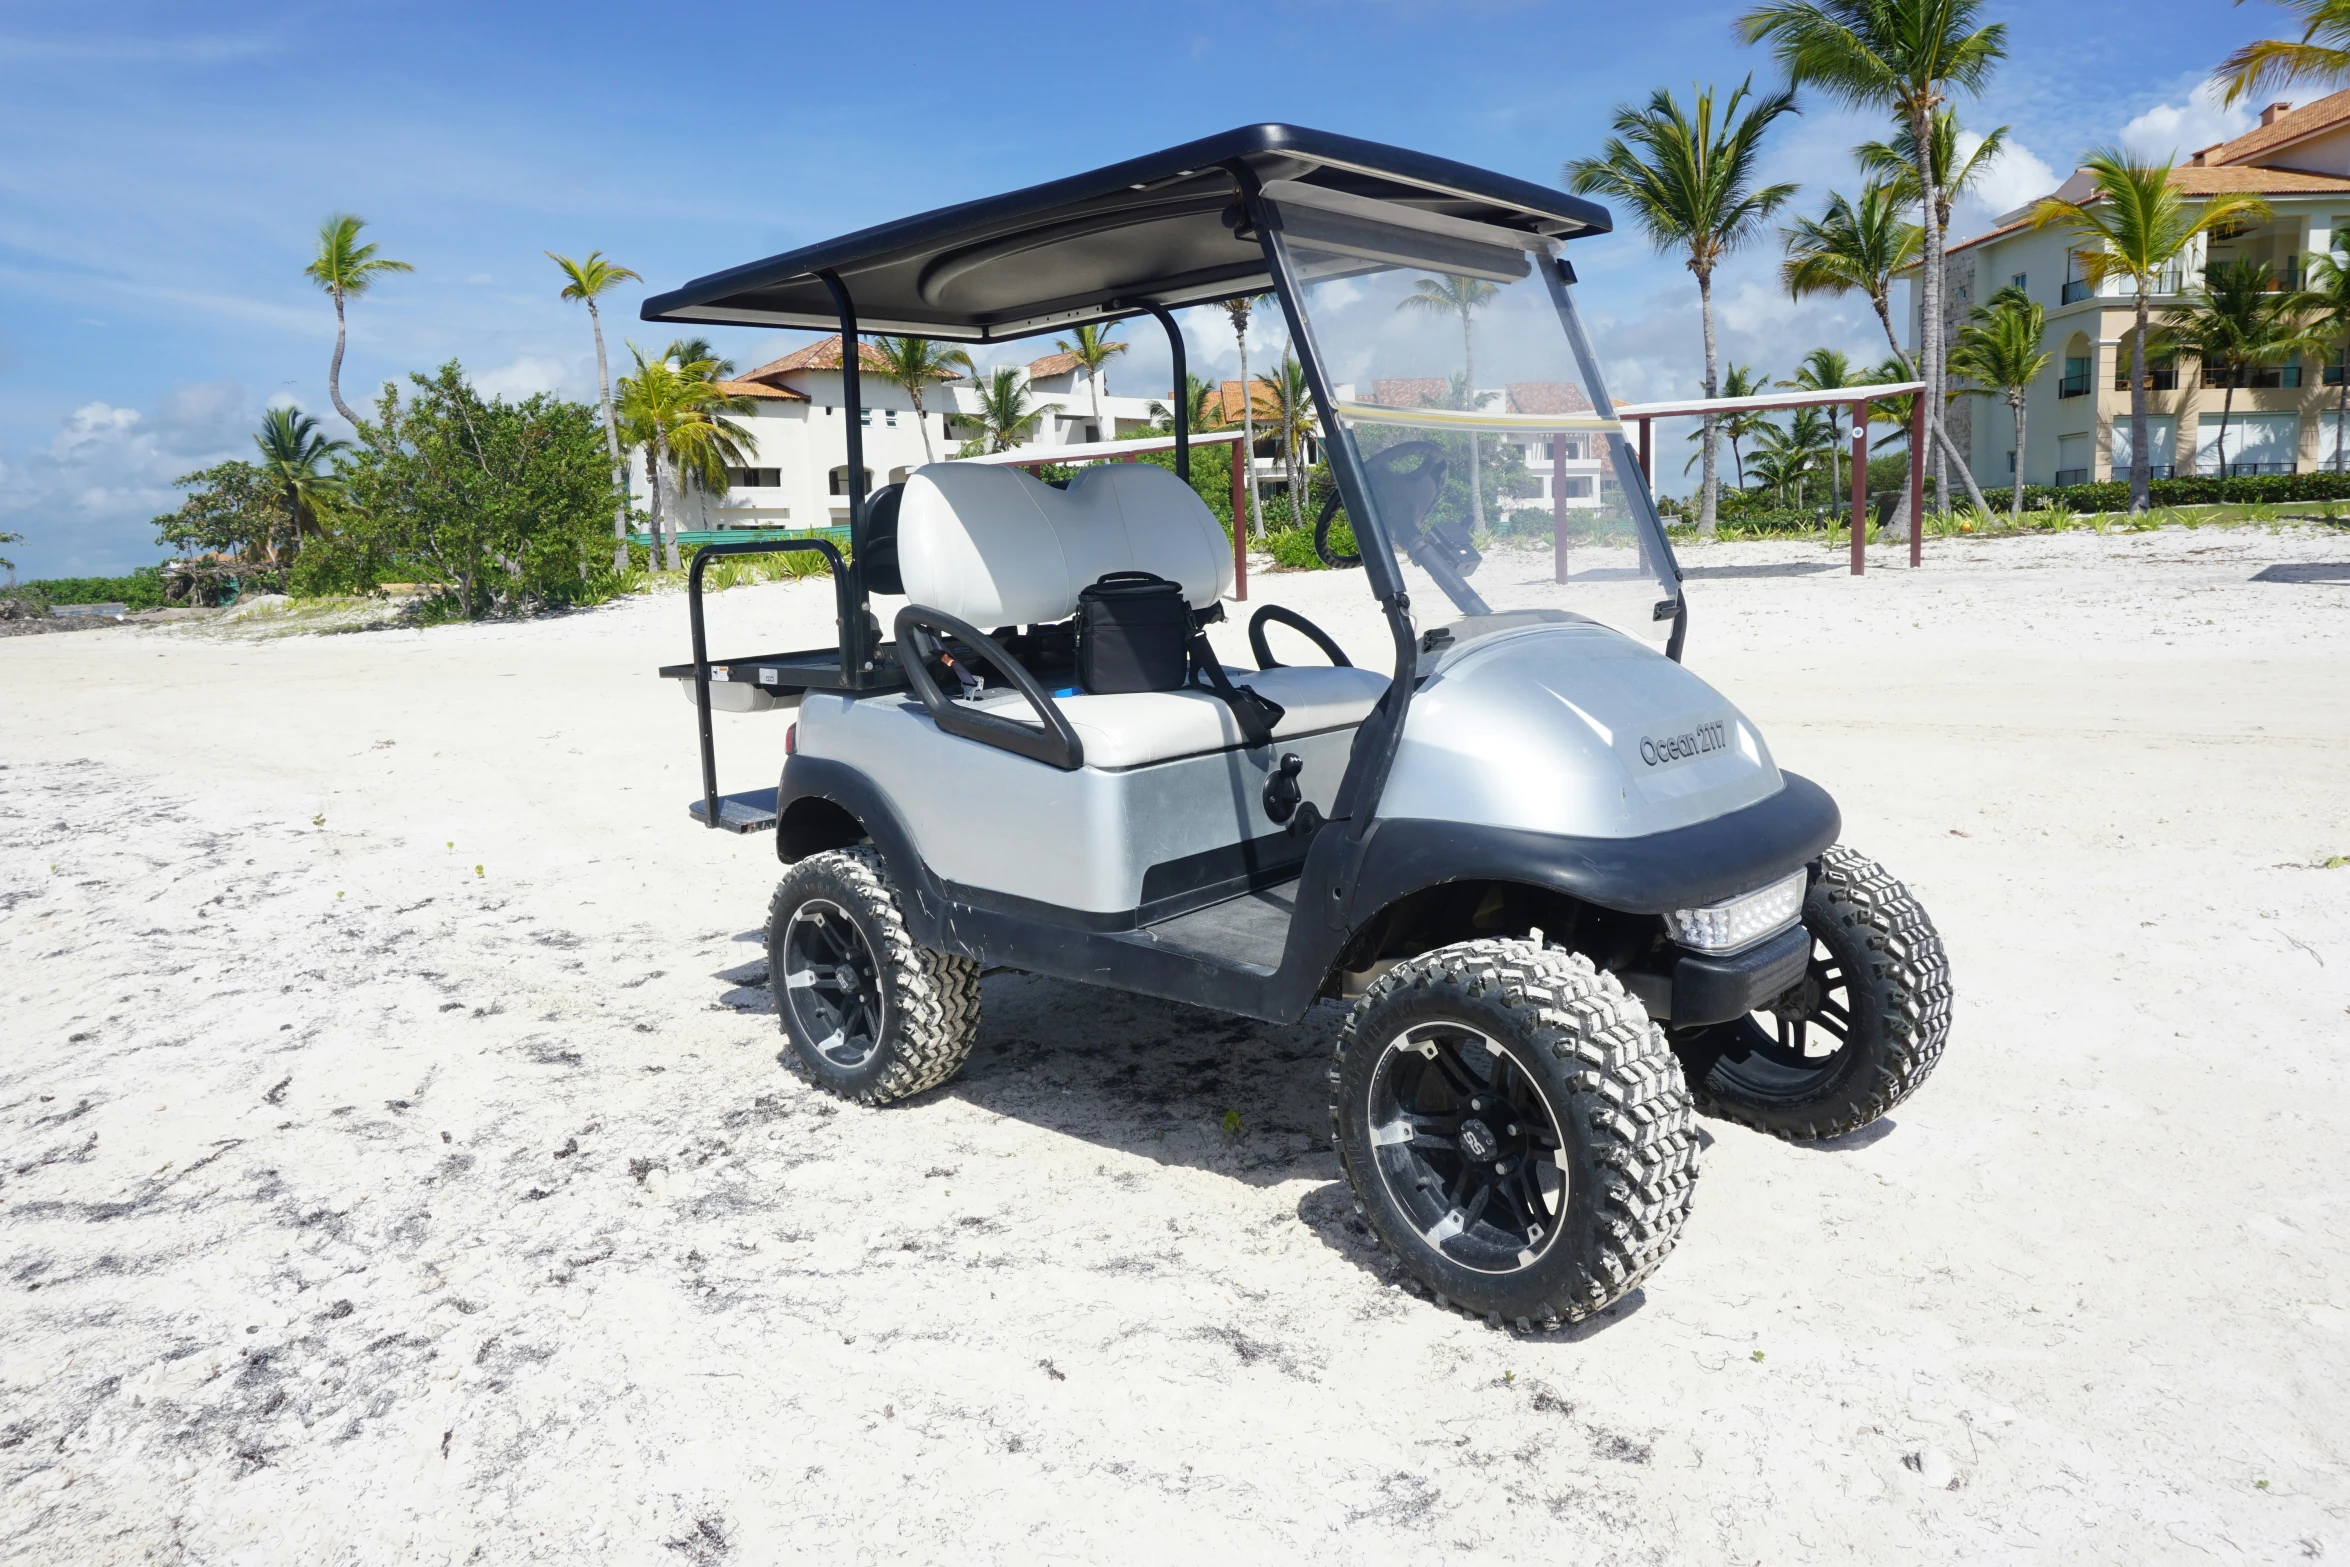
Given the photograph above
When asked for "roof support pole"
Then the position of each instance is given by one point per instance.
(1647, 466)
(1239, 524)
(1860, 479)
(855, 649)
(1181, 401)
(1558, 508)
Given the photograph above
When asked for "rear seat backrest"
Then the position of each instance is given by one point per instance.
(994, 547)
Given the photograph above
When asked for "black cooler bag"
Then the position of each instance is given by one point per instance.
(1134, 633)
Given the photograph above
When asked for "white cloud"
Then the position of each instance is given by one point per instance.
(2181, 130)
(83, 498)
(524, 377)
(2015, 176)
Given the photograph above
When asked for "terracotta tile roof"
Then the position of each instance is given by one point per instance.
(1426, 391)
(2193, 180)
(766, 389)
(1547, 397)
(2284, 130)
(822, 355)
(1051, 364)
(1227, 404)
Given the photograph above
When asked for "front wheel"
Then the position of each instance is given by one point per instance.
(1860, 1032)
(1515, 1130)
(870, 1015)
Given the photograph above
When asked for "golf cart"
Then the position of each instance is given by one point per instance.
(1567, 892)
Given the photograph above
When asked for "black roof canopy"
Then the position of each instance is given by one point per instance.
(1093, 247)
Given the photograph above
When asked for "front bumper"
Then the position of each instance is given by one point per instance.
(1710, 988)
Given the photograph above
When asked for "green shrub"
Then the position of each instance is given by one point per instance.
(142, 589)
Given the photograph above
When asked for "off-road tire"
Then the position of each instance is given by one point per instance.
(1613, 1089)
(929, 1000)
(1867, 928)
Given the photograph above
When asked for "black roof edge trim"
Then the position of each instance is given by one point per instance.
(1266, 139)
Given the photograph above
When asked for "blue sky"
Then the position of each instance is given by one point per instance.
(166, 168)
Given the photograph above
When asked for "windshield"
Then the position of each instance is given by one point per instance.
(1458, 371)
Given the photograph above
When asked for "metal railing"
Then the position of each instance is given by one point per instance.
(2239, 470)
(2261, 378)
(2075, 385)
(2162, 379)
(2077, 290)
(2066, 476)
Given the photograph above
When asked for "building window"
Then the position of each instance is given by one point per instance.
(754, 478)
(865, 416)
(1575, 489)
(2018, 282)
(840, 480)
(890, 417)
(2076, 378)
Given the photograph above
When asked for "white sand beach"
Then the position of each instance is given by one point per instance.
(395, 1166)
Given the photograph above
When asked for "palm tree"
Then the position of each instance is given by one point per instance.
(1999, 349)
(1200, 406)
(704, 442)
(1454, 295)
(1904, 56)
(1737, 381)
(2321, 55)
(1787, 455)
(1093, 350)
(345, 269)
(1690, 183)
(584, 281)
(1239, 310)
(1293, 424)
(1895, 162)
(2238, 323)
(917, 362)
(2136, 225)
(676, 413)
(1824, 370)
(2324, 308)
(1853, 246)
(292, 455)
(1006, 416)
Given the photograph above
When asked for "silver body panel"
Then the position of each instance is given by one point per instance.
(987, 818)
(1575, 729)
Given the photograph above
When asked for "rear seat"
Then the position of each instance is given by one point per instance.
(994, 547)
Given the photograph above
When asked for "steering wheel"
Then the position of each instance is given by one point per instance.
(1403, 495)
(1278, 615)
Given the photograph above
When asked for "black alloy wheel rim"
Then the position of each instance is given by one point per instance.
(1802, 1035)
(831, 985)
(1468, 1147)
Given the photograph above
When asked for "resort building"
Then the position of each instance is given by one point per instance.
(796, 469)
(2078, 415)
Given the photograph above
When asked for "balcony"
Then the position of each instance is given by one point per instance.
(2075, 385)
(2159, 378)
(2239, 470)
(2077, 290)
(2154, 470)
(2066, 476)
(2259, 378)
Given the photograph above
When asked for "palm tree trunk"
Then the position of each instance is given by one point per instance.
(1885, 319)
(1710, 485)
(1476, 479)
(334, 369)
(922, 422)
(612, 447)
(2141, 480)
(1247, 454)
(656, 460)
(2015, 494)
(1929, 365)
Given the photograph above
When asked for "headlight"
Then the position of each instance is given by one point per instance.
(1743, 920)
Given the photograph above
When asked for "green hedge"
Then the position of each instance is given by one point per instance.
(142, 589)
(2252, 489)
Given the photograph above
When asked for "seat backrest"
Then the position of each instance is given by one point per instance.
(994, 547)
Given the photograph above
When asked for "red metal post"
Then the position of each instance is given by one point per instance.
(1646, 471)
(1558, 508)
(1860, 481)
(1239, 524)
(1917, 474)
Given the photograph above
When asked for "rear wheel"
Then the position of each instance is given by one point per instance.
(867, 1013)
(1515, 1130)
(1858, 1035)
